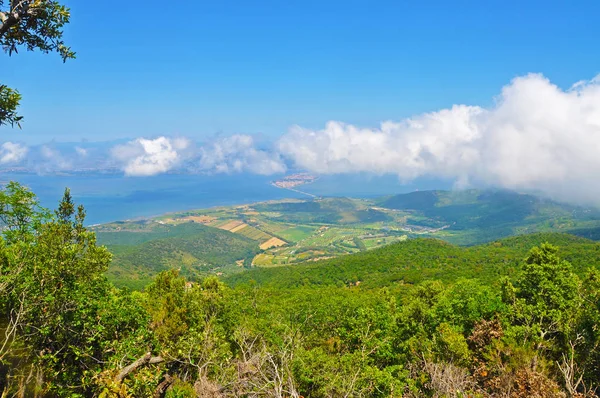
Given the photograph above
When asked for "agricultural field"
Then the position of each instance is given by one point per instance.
(297, 233)
(288, 232)
(273, 242)
(285, 232)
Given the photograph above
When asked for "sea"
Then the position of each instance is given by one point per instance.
(110, 197)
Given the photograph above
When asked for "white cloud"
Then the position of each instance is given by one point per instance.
(236, 154)
(52, 160)
(11, 152)
(146, 157)
(536, 137)
(432, 142)
(82, 152)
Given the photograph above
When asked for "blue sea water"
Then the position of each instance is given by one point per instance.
(363, 185)
(114, 197)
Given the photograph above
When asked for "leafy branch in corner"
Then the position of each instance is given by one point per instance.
(34, 25)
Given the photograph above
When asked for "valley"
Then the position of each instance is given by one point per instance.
(294, 231)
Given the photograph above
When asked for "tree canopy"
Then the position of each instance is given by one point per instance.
(33, 25)
(66, 331)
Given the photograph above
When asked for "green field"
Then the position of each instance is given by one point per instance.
(254, 233)
(319, 229)
(296, 234)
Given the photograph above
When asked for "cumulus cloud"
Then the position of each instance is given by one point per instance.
(11, 153)
(536, 137)
(233, 154)
(436, 142)
(146, 157)
(236, 154)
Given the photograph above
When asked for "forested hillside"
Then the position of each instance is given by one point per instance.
(421, 318)
(192, 248)
(221, 241)
(281, 270)
(473, 216)
(418, 260)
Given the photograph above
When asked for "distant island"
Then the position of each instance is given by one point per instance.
(294, 180)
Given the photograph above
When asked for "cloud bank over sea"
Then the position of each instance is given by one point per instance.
(536, 137)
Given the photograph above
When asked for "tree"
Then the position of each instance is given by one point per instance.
(20, 213)
(52, 289)
(545, 304)
(33, 25)
(548, 291)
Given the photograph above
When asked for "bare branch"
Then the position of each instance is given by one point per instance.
(147, 359)
(8, 21)
(161, 389)
(13, 17)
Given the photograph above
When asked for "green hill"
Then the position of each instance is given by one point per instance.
(323, 211)
(333, 227)
(193, 248)
(473, 216)
(470, 209)
(137, 232)
(421, 259)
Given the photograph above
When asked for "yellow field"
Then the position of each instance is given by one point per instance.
(199, 219)
(267, 260)
(239, 227)
(273, 242)
(231, 225)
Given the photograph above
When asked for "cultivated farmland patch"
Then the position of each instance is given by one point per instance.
(199, 219)
(238, 228)
(273, 242)
(228, 226)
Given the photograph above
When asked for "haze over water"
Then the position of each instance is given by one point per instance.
(111, 197)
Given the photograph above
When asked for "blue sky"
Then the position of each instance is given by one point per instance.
(198, 68)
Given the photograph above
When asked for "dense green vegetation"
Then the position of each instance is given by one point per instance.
(511, 318)
(323, 228)
(473, 216)
(418, 260)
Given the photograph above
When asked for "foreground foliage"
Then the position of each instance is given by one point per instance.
(66, 331)
(33, 25)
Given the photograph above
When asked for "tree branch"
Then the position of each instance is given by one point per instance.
(161, 389)
(8, 21)
(15, 15)
(147, 359)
